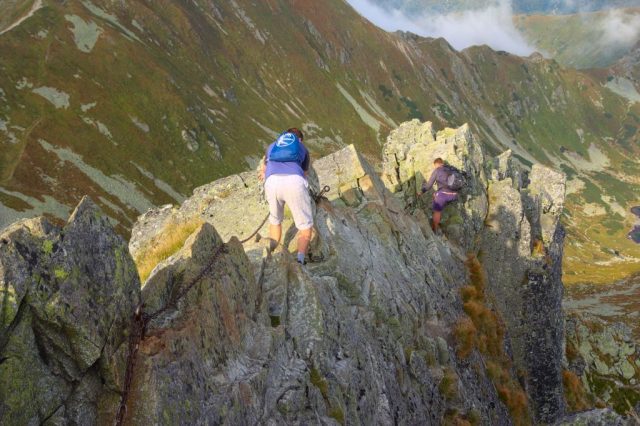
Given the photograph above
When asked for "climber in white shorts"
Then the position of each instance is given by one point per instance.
(284, 172)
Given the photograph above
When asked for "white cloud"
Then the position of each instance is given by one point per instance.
(492, 26)
(621, 28)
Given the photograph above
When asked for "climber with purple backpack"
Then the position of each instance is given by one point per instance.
(284, 173)
(450, 181)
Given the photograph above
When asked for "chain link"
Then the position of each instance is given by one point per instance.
(141, 320)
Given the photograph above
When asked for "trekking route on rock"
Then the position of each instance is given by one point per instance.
(141, 321)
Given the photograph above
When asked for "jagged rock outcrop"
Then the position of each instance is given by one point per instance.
(606, 359)
(365, 334)
(66, 302)
(361, 334)
(408, 161)
(512, 222)
(522, 251)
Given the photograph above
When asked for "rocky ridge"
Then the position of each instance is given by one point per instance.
(371, 332)
(136, 104)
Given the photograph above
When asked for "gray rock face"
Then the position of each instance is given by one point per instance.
(521, 249)
(517, 236)
(362, 335)
(408, 161)
(606, 358)
(603, 417)
(67, 297)
(357, 336)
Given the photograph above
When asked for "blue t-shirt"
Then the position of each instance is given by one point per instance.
(286, 168)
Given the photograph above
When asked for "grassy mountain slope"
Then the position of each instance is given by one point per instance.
(136, 104)
(579, 40)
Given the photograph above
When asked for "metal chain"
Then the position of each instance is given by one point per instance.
(141, 321)
(317, 197)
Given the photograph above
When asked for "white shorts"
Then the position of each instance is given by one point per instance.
(294, 191)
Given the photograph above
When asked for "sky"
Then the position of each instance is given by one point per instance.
(492, 26)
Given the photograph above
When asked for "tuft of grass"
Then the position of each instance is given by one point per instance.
(571, 351)
(47, 247)
(166, 244)
(318, 381)
(574, 392)
(474, 417)
(337, 414)
(448, 386)
(538, 248)
(482, 329)
(60, 273)
(454, 418)
(275, 321)
(516, 401)
(465, 335)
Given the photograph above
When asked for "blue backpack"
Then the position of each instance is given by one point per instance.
(287, 149)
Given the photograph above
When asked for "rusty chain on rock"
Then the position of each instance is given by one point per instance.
(141, 319)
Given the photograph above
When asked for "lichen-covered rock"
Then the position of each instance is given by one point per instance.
(362, 335)
(68, 298)
(606, 357)
(504, 166)
(513, 223)
(408, 157)
(601, 417)
(549, 186)
(524, 269)
(235, 205)
(200, 357)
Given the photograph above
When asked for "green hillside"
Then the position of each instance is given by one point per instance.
(138, 103)
(581, 40)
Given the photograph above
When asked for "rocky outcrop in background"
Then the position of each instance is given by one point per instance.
(371, 332)
(512, 223)
(605, 358)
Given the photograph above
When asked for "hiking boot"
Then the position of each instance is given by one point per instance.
(271, 244)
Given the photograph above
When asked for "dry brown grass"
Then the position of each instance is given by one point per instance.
(574, 393)
(483, 329)
(454, 418)
(163, 246)
(571, 351)
(516, 401)
(538, 248)
(465, 334)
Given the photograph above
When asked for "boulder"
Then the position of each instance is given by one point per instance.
(68, 297)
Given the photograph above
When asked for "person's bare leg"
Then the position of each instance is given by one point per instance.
(304, 237)
(436, 220)
(275, 233)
